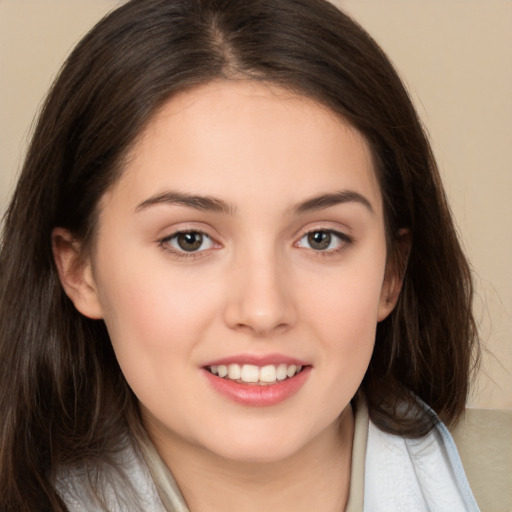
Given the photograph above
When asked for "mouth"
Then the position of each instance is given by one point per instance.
(256, 375)
(257, 381)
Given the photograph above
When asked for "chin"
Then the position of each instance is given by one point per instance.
(258, 443)
(259, 452)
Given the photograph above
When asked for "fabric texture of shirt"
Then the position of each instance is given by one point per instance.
(388, 474)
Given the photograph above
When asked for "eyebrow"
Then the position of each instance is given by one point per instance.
(324, 201)
(212, 204)
(204, 203)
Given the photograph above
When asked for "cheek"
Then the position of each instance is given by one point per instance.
(349, 326)
(155, 320)
(147, 299)
(349, 342)
(347, 300)
(344, 313)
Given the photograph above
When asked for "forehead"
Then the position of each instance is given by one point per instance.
(234, 138)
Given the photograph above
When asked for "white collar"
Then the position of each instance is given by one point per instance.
(415, 475)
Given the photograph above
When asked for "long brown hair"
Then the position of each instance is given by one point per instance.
(63, 397)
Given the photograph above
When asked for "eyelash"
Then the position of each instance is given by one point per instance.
(165, 243)
(344, 242)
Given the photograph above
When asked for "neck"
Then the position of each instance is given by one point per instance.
(318, 473)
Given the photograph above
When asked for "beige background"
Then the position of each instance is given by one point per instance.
(454, 55)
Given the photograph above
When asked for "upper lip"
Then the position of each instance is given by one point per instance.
(258, 360)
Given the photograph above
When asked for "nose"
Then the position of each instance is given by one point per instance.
(260, 299)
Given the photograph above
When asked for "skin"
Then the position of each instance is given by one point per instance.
(256, 286)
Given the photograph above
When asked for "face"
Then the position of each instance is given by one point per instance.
(245, 237)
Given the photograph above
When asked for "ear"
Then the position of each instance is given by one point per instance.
(75, 273)
(394, 275)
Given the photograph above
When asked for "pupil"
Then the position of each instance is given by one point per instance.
(190, 241)
(319, 240)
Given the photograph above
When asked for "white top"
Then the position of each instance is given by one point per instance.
(420, 475)
(400, 475)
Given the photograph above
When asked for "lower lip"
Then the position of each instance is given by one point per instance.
(256, 395)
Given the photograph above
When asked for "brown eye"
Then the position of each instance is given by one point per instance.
(189, 241)
(324, 240)
(319, 240)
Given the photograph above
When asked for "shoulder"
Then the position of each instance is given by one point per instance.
(484, 440)
(116, 485)
(415, 475)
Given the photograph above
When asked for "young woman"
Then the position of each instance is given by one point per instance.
(229, 276)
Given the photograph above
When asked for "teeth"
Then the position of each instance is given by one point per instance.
(268, 373)
(234, 371)
(253, 374)
(291, 370)
(250, 373)
(282, 371)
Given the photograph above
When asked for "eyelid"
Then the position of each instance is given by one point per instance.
(345, 240)
(164, 243)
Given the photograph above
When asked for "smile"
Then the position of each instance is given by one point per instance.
(257, 383)
(252, 374)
